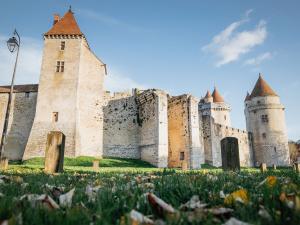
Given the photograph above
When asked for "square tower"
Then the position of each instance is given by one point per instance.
(69, 94)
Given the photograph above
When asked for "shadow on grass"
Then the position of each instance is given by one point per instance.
(85, 161)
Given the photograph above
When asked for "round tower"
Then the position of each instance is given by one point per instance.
(215, 106)
(265, 120)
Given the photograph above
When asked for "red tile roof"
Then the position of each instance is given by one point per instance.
(20, 88)
(216, 96)
(67, 25)
(262, 89)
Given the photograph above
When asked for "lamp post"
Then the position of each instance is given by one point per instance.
(13, 45)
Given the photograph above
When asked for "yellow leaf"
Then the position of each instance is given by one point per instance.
(271, 181)
(239, 195)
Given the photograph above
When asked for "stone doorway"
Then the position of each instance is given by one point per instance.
(230, 153)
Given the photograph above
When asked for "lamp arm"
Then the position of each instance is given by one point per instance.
(19, 39)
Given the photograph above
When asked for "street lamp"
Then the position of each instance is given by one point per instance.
(13, 44)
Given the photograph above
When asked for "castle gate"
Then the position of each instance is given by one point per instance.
(230, 153)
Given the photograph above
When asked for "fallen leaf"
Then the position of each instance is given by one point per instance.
(161, 208)
(264, 213)
(234, 221)
(91, 192)
(193, 203)
(237, 196)
(137, 218)
(44, 200)
(65, 200)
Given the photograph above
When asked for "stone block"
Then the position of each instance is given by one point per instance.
(3, 163)
(55, 147)
(96, 165)
(263, 167)
(297, 167)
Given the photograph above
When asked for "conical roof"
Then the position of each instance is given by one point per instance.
(262, 89)
(67, 25)
(208, 95)
(247, 97)
(217, 96)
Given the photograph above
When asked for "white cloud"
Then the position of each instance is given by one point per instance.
(29, 63)
(114, 81)
(229, 45)
(256, 61)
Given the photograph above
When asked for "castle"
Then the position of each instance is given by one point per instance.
(151, 125)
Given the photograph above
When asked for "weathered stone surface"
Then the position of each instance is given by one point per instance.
(297, 167)
(230, 154)
(20, 122)
(55, 146)
(96, 165)
(4, 163)
(263, 167)
(269, 136)
(185, 140)
(75, 94)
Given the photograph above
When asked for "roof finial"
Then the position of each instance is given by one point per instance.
(260, 75)
(70, 8)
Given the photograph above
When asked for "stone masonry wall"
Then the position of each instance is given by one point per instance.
(153, 121)
(184, 132)
(245, 152)
(121, 128)
(135, 126)
(20, 123)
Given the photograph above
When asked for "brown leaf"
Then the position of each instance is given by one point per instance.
(160, 208)
(137, 218)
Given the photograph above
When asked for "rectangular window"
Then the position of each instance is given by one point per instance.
(264, 135)
(54, 116)
(62, 45)
(27, 94)
(60, 66)
(264, 119)
(181, 155)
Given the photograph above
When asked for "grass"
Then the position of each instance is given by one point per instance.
(123, 189)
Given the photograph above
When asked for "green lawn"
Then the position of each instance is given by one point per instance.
(123, 185)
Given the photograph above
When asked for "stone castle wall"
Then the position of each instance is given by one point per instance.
(20, 122)
(184, 132)
(135, 126)
(121, 128)
(213, 135)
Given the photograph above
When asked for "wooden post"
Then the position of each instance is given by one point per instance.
(274, 167)
(54, 157)
(96, 165)
(297, 167)
(4, 163)
(263, 167)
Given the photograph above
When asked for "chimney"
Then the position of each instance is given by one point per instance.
(56, 18)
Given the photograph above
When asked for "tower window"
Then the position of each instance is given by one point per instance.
(62, 45)
(60, 66)
(181, 156)
(264, 135)
(54, 116)
(27, 94)
(275, 149)
(258, 102)
(264, 118)
(225, 117)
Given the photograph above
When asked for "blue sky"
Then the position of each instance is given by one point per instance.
(182, 46)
